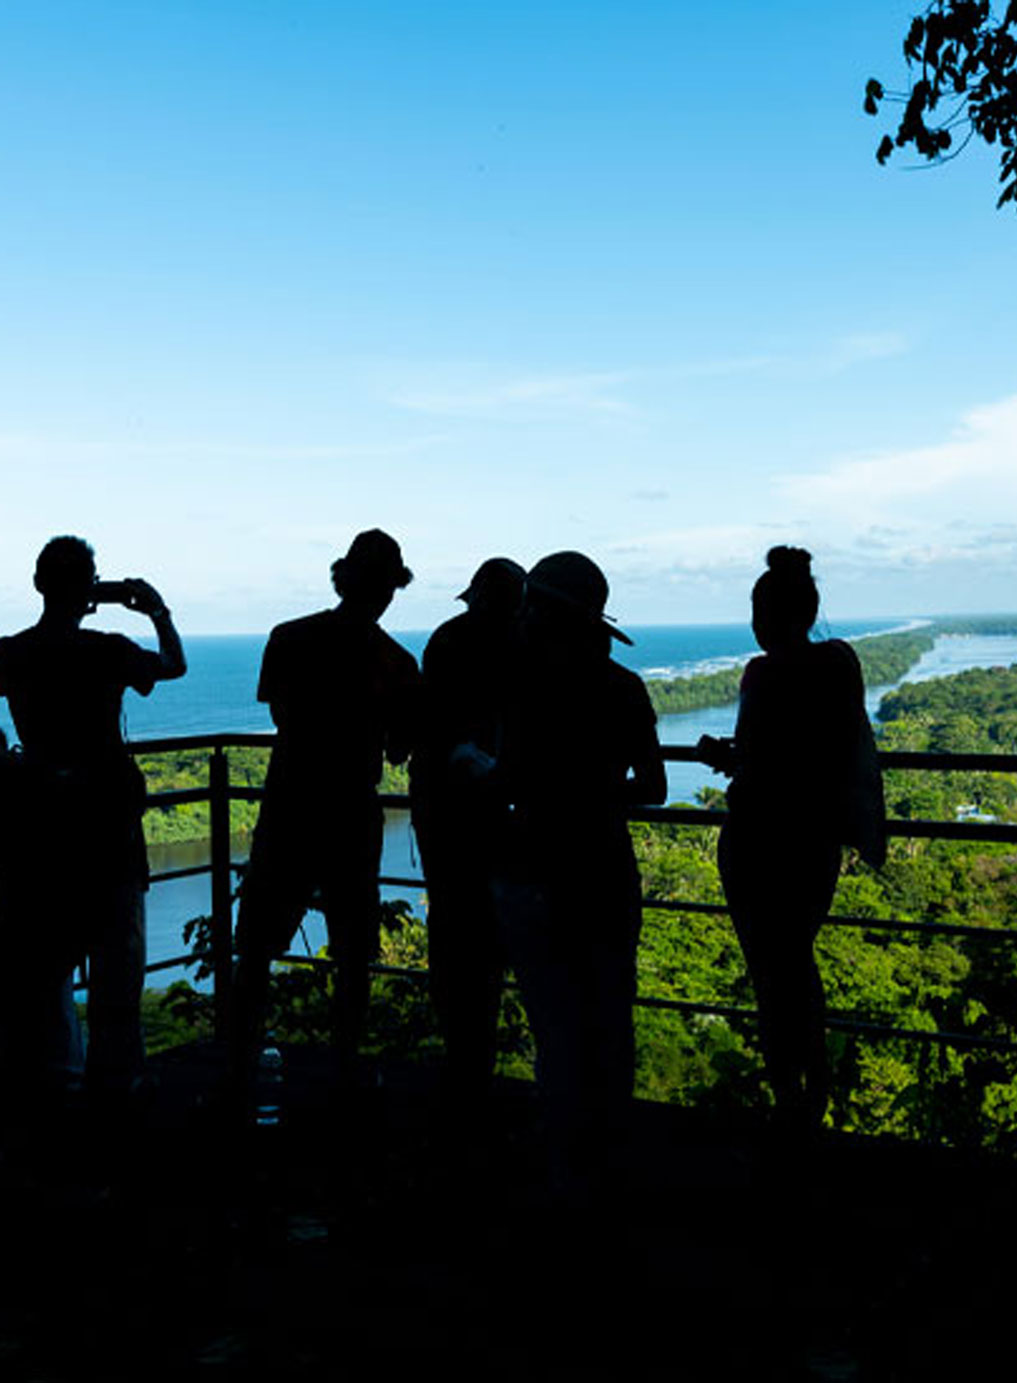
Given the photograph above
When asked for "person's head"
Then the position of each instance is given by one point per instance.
(564, 605)
(495, 592)
(65, 574)
(785, 601)
(370, 574)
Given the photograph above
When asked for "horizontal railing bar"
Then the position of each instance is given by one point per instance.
(929, 760)
(677, 905)
(939, 1038)
(707, 909)
(868, 1029)
(164, 876)
(226, 739)
(417, 972)
(975, 831)
(833, 1021)
(893, 924)
(678, 816)
(992, 831)
(853, 920)
(176, 797)
(892, 758)
(999, 831)
(191, 958)
(673, 753)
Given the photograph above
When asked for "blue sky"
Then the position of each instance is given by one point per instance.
(624, 278)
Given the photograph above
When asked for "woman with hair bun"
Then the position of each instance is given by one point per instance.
(804, 782)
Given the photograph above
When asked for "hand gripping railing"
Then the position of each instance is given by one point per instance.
(220, 792)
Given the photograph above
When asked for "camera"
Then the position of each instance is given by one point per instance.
(111, 593)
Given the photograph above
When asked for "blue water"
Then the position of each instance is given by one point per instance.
(219, 691)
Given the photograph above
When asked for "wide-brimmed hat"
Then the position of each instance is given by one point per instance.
(499, 577)
(375, 555)
(577, 585)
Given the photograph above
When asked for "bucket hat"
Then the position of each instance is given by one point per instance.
(374, 555)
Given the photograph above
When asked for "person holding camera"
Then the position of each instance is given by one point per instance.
(81, 799)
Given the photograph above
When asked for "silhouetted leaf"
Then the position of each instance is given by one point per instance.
(913, 41)
(964, 51)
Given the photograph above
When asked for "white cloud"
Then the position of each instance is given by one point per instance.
(714, 548)
(470, 391)
(862, 347)
(974, 470)
(933, 526)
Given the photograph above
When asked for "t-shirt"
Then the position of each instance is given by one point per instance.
(571, 742)
(65, 691)
(343, 695)
(78, 784)
(467, 669)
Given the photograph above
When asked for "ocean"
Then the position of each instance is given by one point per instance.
(218, 695)
(219, 692)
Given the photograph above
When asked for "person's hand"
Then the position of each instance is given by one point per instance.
(717, 753)
(144, 598)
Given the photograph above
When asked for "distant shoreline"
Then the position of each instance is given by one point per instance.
(886, 657)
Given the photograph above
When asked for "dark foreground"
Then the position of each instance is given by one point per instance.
(359, 1240)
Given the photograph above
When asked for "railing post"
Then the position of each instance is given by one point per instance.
(222, 886)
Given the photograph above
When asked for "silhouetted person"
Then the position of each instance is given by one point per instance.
(343, 696)
(79, 886)
(467, 666)
(580, 748)
(804, 781)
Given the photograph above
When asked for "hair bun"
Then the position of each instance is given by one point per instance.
(790, 562)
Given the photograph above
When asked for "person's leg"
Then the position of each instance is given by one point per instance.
(464, 956)
(777, 908)
(116, 979)
(815, 1064)
(272, 902)
(352, 906)
(758, 913)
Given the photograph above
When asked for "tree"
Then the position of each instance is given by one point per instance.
(967, 60)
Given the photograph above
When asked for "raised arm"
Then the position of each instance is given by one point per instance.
(147, 601)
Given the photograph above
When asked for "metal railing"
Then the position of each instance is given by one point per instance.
(221, 792)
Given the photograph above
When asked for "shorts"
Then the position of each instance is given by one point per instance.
(328, 858)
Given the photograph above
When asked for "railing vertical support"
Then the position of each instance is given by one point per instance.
(222, 879)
